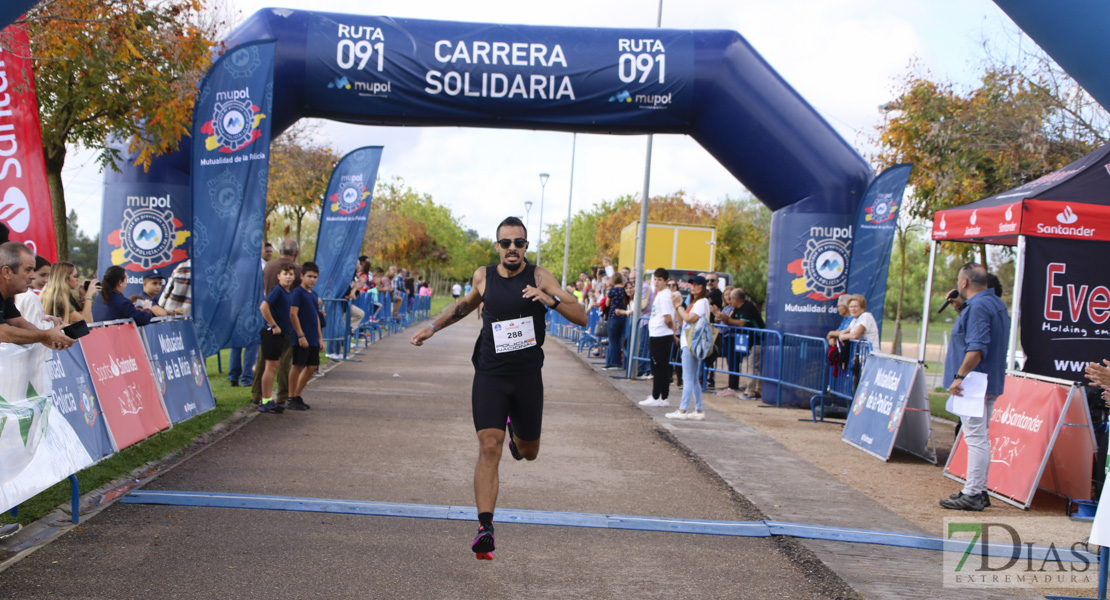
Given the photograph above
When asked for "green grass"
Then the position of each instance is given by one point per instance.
(156, 447)
(936, 406)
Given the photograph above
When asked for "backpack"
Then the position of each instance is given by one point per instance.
(701, 338)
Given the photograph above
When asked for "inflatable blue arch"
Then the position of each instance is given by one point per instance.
(711, 85)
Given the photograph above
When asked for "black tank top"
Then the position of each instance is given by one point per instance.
(504, 299)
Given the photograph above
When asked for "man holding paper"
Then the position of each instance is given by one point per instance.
(976, 351)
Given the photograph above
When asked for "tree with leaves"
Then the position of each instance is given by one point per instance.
(743, 229)
(970, 145)
(300, 168)
(124, 70)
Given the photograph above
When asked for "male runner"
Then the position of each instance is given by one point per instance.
(508, 386)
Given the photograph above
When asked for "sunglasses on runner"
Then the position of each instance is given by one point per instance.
(518, 242)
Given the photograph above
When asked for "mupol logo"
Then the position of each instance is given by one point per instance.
(149, 238)
(821, 271)
(235, 121)
(1067, 217)
(340, 82)
(15, 211)
(882, 209)
(622, 96)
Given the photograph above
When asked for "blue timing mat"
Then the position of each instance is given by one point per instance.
(596, 521)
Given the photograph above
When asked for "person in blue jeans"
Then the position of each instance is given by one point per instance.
(236, 374)
(691, 365)
(617, 314)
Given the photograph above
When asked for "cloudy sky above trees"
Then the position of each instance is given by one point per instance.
(843, 57)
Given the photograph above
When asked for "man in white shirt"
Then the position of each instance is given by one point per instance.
(660, 341)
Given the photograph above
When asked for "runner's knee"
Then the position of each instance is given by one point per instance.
(490, 442)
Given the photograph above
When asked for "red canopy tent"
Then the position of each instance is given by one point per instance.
(1070, 203)
(1060, 224)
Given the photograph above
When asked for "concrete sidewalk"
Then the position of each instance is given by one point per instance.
(396, 427)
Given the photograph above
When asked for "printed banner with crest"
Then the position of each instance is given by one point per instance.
(343, 219)
(876, 224)
(230, 167)
(178, 368)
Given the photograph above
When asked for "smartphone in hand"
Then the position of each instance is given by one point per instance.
(76, 330)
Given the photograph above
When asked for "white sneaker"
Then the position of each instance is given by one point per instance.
(677, 415)
(697, 415)
(644, 377)
(649, 401)
(334, 356)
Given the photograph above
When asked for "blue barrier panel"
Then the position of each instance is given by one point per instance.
(178, 367)
(337, 331)
(803, 364)
(73, 396)
(748, 354)
(876, 415)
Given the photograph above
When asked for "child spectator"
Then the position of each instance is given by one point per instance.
(275, 336)
(304, 315)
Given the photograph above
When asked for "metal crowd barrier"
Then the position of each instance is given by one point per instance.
(748, 353)
(765, 355)
(337, 330)
(842, 378)
(804, 359)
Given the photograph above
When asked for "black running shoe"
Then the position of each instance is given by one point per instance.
(964, 502)
(271, 407)
(986, 498)
(484, 541)
(512, 445)
(295, 403)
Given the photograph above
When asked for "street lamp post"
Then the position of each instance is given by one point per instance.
(527, 212)
(539, 234)
(566, 242)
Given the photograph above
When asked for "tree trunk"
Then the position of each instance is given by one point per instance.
(55, 160)
(300, 218)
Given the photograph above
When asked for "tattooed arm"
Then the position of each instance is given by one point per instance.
(547, 289)
(456, 311)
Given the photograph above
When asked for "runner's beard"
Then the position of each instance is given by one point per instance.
(512, 267)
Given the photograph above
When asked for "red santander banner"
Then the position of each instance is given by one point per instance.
(24, 196)
(124, 383)
(1021, 431)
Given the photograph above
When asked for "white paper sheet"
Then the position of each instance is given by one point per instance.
(974, 397)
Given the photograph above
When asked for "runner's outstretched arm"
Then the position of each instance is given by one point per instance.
(454, 312)
(547, 289)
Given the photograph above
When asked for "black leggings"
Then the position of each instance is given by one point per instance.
(494, 398)
(661, 366)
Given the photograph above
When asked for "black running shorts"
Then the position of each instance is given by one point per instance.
(273, 345)
(494, 398)
(306, 357)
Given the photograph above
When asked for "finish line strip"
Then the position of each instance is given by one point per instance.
(597, 521)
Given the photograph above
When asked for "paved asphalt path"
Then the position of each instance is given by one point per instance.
(397, 427)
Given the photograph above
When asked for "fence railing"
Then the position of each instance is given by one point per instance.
(745, 355)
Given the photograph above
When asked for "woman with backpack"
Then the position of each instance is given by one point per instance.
(695, 330)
